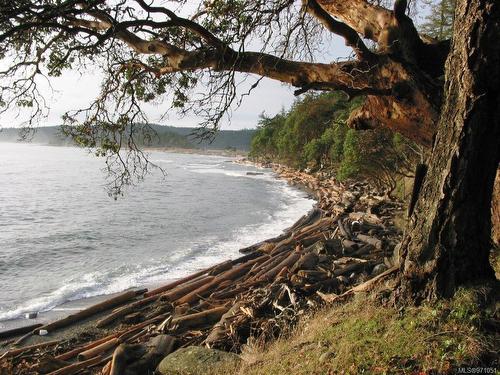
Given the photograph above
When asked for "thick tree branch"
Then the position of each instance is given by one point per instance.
(392, 30)
(367, 19)
(350, 36)
(349, 77)
(400, 9)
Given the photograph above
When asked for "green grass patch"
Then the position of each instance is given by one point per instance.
(365, 337)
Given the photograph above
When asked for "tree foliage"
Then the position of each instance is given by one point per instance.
(191, 57)
(438, 23)
(313, 133)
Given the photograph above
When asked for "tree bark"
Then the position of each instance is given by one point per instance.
(495, 211)
(448, 240)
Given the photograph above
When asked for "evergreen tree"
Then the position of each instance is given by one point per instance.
(439, 22)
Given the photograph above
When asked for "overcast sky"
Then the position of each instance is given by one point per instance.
(74, 91)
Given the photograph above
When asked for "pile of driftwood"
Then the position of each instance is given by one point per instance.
(339, 247)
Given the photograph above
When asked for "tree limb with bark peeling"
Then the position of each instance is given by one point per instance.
(150, 50)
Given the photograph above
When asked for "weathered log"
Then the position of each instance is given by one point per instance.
(343, 229)
(183, 290)
(19, 330)
(48, 363)
(137, 336)
(106, 369)
(201, 291)
(14, 352)
(199, 319)
(236, 272)
(89, 311)
(228, 275)
(99, 349)
(307, 261)
(363, 250)
(124, 354)
(312, 239)
(132, 330)
(334, 246)
(255, 247)
(23, 338)
(124, 311)
(313, 274)
(349, 246)
(246, 258)
(283, 245)
(352, 268)
(310, 218)
(175, 283)
(266, 266)
(311, 229)
(369, 218)
(284, 271)
(220, 295)
(289, 261)
(219, 329)
(364, 287)
(224, 266)
(76, 367)
(74, 352)
(269, 263)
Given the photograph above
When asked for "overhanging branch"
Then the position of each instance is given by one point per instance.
(351, 37)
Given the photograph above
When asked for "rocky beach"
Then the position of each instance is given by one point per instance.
(342, 246)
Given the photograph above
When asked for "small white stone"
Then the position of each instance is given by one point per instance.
(31, 315)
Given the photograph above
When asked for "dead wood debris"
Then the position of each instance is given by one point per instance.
(342, 246)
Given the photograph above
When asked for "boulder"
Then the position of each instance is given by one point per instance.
(195, 360)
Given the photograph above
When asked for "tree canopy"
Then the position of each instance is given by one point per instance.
(150, 51)
(313, 133)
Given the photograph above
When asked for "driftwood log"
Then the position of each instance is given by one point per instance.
(325, 257)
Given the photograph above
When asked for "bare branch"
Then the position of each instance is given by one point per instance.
(400, 9)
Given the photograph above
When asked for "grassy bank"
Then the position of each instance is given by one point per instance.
(368, 336)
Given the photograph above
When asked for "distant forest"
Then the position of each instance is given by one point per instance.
(314, 134)
(166, 136)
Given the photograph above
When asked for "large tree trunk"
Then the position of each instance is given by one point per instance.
(495, 211)
(448, 239)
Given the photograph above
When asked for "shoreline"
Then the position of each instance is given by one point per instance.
(343, 243)
(68, 307)
(177, 150)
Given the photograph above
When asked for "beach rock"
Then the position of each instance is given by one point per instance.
(195, 360)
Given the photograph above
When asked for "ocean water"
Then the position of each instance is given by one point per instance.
(63, 239)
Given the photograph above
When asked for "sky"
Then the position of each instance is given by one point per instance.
(73, 91)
